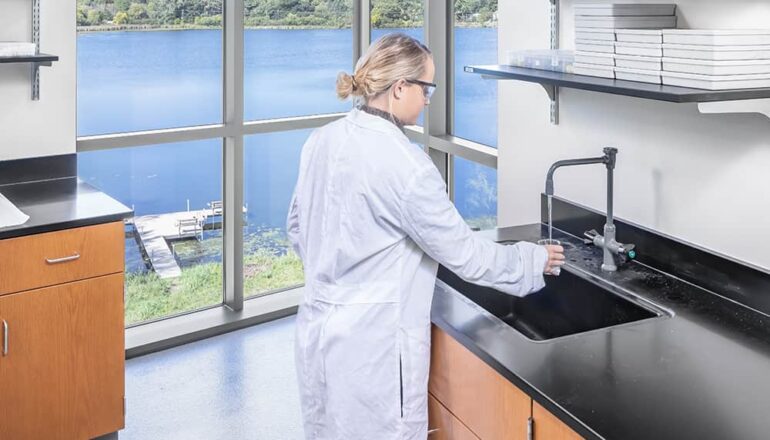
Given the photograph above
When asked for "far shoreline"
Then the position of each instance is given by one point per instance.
(152, 28)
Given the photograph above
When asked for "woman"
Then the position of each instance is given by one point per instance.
(371, 220)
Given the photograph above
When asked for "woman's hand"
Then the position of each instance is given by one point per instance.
(555, 259)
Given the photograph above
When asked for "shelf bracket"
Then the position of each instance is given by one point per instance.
(36, 40)
(761, 106)
(553, 91)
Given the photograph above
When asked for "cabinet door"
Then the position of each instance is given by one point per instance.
(63, 374)
(442, 425)
(483, 400)
(548, 427)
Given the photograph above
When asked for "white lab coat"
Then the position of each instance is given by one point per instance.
(370, 218)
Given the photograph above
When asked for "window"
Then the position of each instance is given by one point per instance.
(137, 71)
(271, 166)
(174, 240)
(475, 193)
(156, 66)
(293, 53)
(475, 99)
(475, 108)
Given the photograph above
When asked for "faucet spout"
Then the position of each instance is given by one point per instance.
(608, 159)
(607, 242)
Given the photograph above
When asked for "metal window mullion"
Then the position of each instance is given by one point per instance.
(437, 27)
(150, 137)
(361, 27)
(232, 160)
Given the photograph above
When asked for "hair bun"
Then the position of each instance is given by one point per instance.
(346, 85)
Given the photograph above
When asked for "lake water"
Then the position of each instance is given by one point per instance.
(133, 81)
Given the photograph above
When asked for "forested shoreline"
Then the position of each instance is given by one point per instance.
(320, 14)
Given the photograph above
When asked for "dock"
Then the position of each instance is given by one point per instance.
(157, 230)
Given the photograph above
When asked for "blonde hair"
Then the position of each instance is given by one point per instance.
(393, 57)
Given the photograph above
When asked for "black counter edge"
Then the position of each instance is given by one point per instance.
(559, 412)
(726, 276)
(59, 226)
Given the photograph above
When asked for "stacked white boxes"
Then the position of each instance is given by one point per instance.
(622, 41)
(716, 59)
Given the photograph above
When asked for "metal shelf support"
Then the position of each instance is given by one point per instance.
(36, 40)
(553, 92)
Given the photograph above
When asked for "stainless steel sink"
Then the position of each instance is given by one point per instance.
(569, 304)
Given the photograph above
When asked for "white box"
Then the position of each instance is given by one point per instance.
(639, 49)
(637, 62)
(602, 59)
(647, 76)
(17, 48)
(625, 22)
(625, 9)
(716, 53)
(718, 82)
(713, 37)
(707, 67)
(594, 34)
(593, 70)
(639, 35)
(594, 46)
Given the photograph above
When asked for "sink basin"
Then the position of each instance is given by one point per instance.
(569, 304)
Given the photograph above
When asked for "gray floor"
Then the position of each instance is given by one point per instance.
(240, 385)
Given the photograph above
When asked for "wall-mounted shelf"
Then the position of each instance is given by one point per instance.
(37, 60)
(41, 58)
(657, 92)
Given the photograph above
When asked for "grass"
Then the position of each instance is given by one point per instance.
(266, 268)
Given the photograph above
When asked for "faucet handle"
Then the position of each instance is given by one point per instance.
(590, 236)
(627, 250)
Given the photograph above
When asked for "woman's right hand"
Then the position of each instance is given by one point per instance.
(555, 259)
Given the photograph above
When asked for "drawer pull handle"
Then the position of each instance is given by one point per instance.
(62, 259)
(5, 337)
(432, 431)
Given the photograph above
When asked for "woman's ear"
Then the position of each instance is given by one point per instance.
(398, 89)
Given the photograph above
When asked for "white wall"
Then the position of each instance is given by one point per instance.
(701, 178)
(46, 127)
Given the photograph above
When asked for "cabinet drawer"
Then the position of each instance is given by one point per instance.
(443, 425)
(58, 257)
(484, 401)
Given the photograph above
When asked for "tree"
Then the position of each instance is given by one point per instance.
(137, 12)
(120, 18)
(121, 6)
(94, 17)
(82, 17)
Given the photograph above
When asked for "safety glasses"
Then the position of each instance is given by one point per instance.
(427, 88)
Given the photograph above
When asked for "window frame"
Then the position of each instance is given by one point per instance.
(435, 135)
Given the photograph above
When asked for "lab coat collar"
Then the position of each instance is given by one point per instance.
(366, 120)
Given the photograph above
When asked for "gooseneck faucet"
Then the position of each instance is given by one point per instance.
(606, 242)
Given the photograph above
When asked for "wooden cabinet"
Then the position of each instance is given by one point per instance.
(482, 400)
(62, 359)
(442, 425)
(547, 426)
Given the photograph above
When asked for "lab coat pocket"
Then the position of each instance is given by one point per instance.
(415, 358)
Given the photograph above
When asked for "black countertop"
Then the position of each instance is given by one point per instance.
(703, 373)
(60, 204)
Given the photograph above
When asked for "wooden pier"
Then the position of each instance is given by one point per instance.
(157, 230)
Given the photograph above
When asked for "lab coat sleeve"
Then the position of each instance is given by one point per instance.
(292, 225)
(432, 221)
